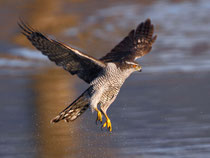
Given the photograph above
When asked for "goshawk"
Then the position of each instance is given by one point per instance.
(105, 75)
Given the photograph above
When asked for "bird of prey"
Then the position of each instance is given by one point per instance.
(105, 75)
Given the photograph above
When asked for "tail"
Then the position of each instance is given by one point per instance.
(74, 110)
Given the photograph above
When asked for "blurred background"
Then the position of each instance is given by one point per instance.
(162, 112)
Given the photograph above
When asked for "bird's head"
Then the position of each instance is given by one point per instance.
(133, 65)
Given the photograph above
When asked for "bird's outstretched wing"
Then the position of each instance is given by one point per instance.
(72, 60)
(135, 45)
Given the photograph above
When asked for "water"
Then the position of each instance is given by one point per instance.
(162, 112)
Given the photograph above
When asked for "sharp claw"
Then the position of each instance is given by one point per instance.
(108, 124)
(98, 120)
(99, 117)
(104, 125)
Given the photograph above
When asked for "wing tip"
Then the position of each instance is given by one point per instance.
(148, 20)
(146, 30)
(26, 29)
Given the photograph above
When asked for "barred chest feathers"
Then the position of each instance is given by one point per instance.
(112, 75)
(107, 85)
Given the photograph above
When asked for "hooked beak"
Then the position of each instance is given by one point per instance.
(140, 69)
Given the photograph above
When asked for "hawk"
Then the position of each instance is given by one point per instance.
(105, 75)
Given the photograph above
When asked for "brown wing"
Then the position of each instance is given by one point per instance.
(86, 67)
(135, 45)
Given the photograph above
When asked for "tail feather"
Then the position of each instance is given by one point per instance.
(74, 110)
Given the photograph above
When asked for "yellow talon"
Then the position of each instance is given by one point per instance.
(99, 115)
(108, 123)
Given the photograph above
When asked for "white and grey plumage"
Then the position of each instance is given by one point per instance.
(105, 75)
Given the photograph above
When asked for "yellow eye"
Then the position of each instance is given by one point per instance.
(134, 66)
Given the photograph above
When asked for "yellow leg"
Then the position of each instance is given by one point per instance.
(107, 123)
(99, 115)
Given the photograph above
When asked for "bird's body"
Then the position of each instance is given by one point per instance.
(102, 92)
(106, 87)
(105, 75)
